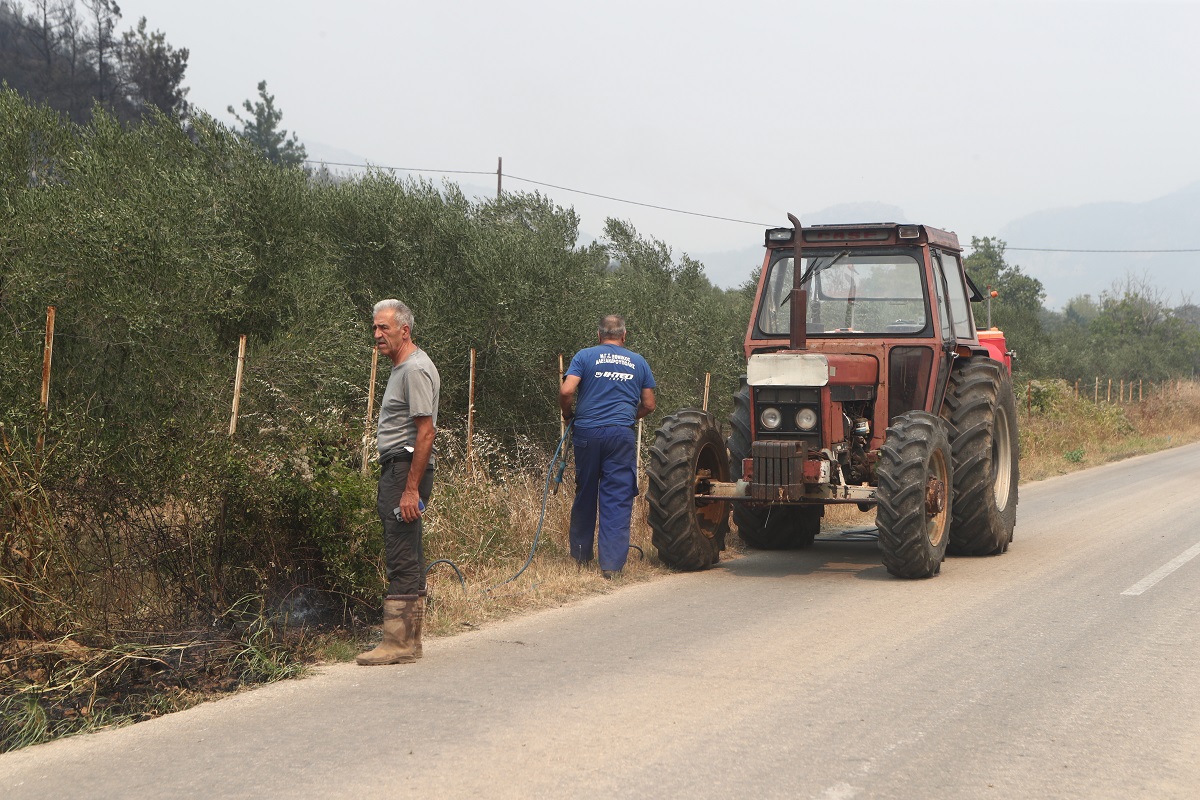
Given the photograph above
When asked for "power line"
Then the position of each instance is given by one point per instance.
(399, 169)
(698, 213)
(548, 185)
(1068, 250)
(636, 203)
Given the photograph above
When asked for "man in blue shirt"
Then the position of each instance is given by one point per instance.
(615, 389)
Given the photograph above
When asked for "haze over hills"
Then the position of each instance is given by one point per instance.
(1171, 222)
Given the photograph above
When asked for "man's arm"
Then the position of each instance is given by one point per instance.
(646, 406)
(566, 395)
(422, 450)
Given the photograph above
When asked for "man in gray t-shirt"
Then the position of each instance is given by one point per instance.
(407, 424)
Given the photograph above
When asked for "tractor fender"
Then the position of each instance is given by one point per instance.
(997, 348)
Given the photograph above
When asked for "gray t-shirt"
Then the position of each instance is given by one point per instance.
(412, 391)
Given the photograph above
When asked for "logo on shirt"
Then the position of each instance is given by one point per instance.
(615, 358)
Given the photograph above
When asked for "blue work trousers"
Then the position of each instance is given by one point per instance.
(605, 479)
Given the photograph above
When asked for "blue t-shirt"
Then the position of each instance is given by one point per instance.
(611, 379)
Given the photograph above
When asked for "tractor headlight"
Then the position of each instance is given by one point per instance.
(806, 419)
(770, 418)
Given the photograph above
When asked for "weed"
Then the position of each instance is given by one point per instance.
(1065, 433)
(261, 656)
(336, 649)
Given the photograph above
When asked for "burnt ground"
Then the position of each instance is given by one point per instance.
(50, 689)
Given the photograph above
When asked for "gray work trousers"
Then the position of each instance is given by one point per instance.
(404, 556)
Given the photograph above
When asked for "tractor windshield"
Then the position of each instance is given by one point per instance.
(859, 293)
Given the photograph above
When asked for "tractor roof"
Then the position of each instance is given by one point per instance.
(864, 235)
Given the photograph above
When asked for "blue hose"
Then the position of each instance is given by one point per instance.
(554, 474)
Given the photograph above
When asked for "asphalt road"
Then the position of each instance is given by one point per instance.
(1063, 669)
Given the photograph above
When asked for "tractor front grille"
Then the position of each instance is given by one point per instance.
(778, 470)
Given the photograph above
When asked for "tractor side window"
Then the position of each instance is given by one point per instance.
(959, 304)
(774, 317)
(939, 281)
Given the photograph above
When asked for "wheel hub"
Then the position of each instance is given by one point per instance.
(935, 497)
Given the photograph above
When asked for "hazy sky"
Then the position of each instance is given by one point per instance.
(966, 114)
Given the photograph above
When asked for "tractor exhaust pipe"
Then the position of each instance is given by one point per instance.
(798, 297)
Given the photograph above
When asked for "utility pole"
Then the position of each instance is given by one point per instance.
(499, 176)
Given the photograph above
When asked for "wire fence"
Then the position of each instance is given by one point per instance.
(241, 378)
(1110, 390)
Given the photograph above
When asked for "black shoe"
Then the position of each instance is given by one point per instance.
(609, 574)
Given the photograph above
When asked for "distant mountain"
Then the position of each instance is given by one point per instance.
(1167, 223)
(335, 157)
(732, 268)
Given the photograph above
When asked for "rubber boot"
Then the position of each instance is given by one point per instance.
(401, 632)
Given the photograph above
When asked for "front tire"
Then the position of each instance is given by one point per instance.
(982, 413)
(915, 480)
(689, 535)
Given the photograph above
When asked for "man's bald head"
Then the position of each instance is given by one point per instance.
(612, 328)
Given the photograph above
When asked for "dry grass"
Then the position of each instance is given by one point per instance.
(1061, 433)
(552, 577)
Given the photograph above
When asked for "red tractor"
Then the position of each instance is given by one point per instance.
(866, 382)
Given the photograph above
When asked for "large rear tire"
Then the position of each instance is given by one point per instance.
(915, 476)
(688, 535)
(765, 528)
(982, 413)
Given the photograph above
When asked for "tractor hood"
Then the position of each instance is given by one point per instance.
(810, 369)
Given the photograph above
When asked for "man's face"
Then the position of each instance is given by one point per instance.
(389, 336)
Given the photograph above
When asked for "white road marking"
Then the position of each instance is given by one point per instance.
(1163, 571)
(842, 791)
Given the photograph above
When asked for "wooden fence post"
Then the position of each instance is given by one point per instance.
(1108, 397)
(1139, 390)
(562, 423)
(1096, 394)
(237, 384)
(471, 411)
(707, 383)
(637, 469)
(47, 358)
(366, 442)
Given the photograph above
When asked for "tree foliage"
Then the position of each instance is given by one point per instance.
(154, 71)
(70, 59)
(1017, 308)
(261, 130)
(1129, 333)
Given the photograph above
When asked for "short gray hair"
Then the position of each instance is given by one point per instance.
(403, 314)
(612, 326)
